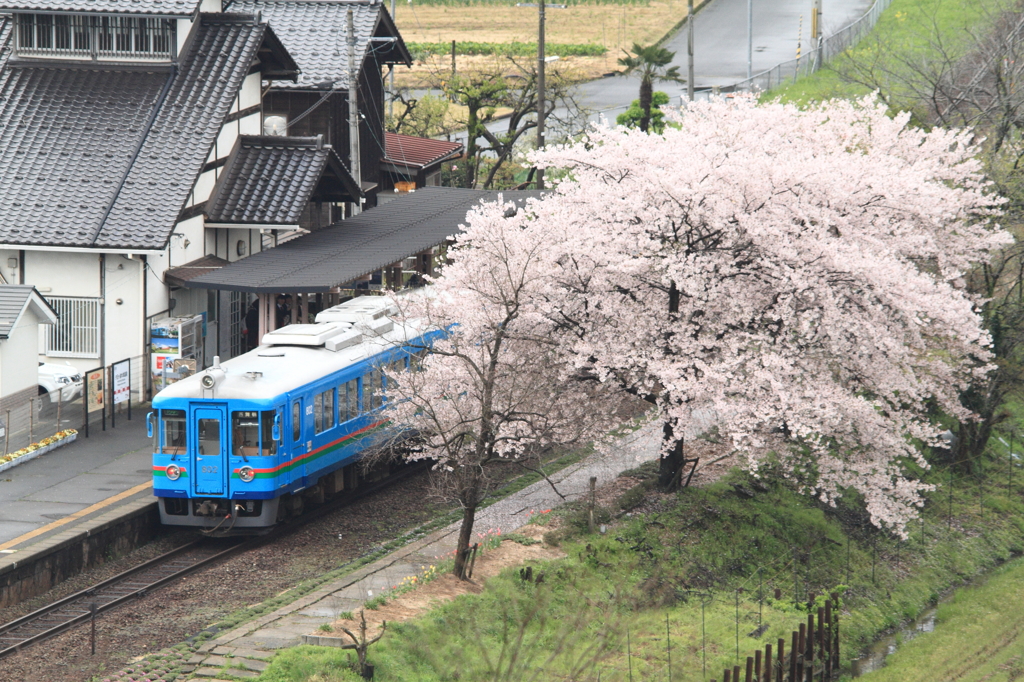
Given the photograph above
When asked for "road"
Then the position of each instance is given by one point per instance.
(720, 46)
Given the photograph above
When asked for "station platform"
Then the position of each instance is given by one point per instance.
(75, 489)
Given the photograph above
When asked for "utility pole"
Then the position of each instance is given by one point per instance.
(391, 74)
(750, 38)
(353, 111)
(689, 49)
(540, 88)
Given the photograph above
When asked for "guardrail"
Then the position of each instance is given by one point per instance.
(827, 49)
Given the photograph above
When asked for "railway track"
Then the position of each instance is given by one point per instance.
(80, 607)
(136, 582)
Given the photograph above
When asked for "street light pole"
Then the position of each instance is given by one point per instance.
(391, 75)
(750, 39)
(540, 88)
(689, 48)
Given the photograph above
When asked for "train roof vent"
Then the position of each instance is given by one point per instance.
(361, 309)
(344, 340)
(376, 327)
(306, 334)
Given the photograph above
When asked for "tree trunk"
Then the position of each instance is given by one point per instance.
(646, 96)
(671, 463)
(462, 549)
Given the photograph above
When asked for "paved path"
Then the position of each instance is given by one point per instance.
(243, 652)
(74, 477)
(720, 46)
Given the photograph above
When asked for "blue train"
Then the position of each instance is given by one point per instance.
(240, 446)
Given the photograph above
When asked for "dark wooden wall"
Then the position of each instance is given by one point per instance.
(330, 119)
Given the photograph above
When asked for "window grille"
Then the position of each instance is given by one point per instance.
(77, 332)
(86, 37)
(236, 315)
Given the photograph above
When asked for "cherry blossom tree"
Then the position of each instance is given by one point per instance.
(498, 389)
(797, 272)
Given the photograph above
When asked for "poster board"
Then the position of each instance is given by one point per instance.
(121, 380)
(176, 344)
(94, 385)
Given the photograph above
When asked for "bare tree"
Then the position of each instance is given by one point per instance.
(505, 90)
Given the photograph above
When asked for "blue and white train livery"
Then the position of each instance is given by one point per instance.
(239, 446)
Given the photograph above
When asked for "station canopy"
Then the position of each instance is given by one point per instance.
(357, 246)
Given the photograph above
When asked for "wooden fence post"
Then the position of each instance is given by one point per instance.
(794, 651)
(835, 635)
(809, 653)
(828, 638)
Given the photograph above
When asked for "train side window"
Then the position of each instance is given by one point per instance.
(172, 426)
(296, 421)
(323, 410)
(245, 434)
(318, 413)
(329, 408)
(348, 400)
(371, 389)
(268, 446)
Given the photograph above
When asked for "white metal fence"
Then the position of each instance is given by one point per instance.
(37, 418)
(828, 49)
(77, 332)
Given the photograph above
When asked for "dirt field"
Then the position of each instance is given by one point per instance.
(615, 26)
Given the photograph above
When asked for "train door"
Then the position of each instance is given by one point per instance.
(210, 448)
(301, 407)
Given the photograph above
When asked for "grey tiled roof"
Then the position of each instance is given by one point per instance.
(106, 158)
(13, 299)
(183, 132)
(270, 179)
(314, 33)
(177, 8)
(357, 246)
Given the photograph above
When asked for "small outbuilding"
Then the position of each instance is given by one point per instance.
(22, 310)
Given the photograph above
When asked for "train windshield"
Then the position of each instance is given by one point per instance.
(172, 428)
(252, 434)
(245, 433)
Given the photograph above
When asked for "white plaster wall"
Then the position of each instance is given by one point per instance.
(249, 95)
(191, 244)
(226, 139)
(56, 273)
(125, 321)
(251, 239)
(10, 274)
(204, 187)
(156, 290)
(18, 356)
(251, 125)
(183, 28)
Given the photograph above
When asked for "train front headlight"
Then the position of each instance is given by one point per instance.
(173, 473)
(246, 474)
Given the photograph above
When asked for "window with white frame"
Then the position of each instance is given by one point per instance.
(77, 332)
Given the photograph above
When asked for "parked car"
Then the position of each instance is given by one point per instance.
(63, 377)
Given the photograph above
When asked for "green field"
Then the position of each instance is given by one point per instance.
(903, 41)
(979, 635)
(650, 570)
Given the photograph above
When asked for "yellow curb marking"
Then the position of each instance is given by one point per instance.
(77, 515)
